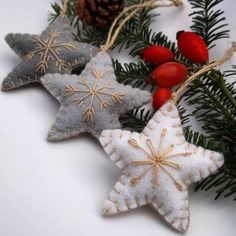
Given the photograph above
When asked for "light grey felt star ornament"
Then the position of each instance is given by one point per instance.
(157, 166)
(54, 51)
(92, 101)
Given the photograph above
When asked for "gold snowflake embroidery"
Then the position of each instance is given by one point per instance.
(94, 92)
(158, 161)
(49, 49)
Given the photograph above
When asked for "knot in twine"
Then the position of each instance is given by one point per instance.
(104, 48)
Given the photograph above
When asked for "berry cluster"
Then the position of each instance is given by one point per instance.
(170, 73)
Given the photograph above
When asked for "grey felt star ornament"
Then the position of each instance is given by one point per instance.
(157, 166)
(92, 101)
(54, 51)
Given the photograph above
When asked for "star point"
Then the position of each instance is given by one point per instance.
(54, 51)
(157, 167)
(92, 101)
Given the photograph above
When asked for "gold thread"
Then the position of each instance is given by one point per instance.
(112, 152)
(135, 144)
(115, 203)
(155, 118)
(121, 181)
(185, 154)
(176, 125)
(151, 147)
(162, 112)
(49, 49)
(92, 92)
(176, 116)
(127, 204)
(157, 161)
(118, 159)
(116, 191)
(163, 135)
(170, 108)
(108, 143)
(166, 214)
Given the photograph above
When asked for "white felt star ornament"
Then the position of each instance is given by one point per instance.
(157, 166)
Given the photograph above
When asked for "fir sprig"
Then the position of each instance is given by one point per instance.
(214, 104)
(208, 21)
(131, 33)
(213, 98)
(57, 10)
(136, 120)
(224, 181)
(135, 74)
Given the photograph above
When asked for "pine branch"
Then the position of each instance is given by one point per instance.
(215, 108)
(136, 120)
(134, 74)
(136, 32)
(57, 9)
(134, 37)
(214, 99)
(225, 179)
(97, 37)
(208, 21)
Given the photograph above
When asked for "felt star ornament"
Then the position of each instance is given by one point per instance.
(54, 51)
(92, 101)
(157, 166)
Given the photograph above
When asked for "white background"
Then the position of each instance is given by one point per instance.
(57, 189)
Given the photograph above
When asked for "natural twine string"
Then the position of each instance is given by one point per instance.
(228, 54)
(134, 9)
(153, 4)
(65, 7)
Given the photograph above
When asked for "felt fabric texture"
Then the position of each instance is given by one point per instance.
(92, 101)
(54, 51)
(157, 166)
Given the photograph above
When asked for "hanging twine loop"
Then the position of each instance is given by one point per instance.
(227, 56)
(65, 7)
(132, 10)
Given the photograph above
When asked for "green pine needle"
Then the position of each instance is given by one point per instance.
(209, 21)
(213, 99)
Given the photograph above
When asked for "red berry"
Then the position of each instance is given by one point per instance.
(157, 55)
(192, 47)
(169, 74)
(160, 97)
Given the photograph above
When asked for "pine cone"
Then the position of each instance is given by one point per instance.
(100, 13)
